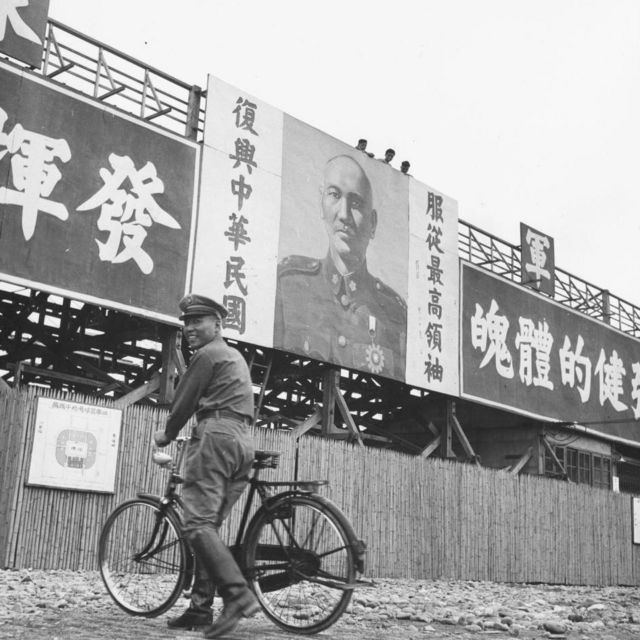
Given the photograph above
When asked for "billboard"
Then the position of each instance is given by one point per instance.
(317, 249)
(538, 261)
(524, 352)
(23, 24)
(94, 204)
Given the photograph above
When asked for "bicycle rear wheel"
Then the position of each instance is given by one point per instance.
(300, 563)
(143, 557)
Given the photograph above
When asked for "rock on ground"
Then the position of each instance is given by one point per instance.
(61, 605)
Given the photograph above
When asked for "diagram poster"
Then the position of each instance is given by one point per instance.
(75, 446)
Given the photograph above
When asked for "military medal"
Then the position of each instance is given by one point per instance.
(374, 355)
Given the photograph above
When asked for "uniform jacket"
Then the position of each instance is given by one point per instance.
(355, 321)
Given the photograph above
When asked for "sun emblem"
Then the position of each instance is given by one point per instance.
(375, 358)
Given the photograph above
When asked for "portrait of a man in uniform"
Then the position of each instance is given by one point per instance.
(333, 308)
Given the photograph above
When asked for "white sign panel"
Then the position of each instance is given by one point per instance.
(317, 249)
(236, 243)
(636, 520)
(75, 446)
(432, 331)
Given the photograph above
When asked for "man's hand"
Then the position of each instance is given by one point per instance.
(161, 439)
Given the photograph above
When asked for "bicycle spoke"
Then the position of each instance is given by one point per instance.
(302, 566)
(143, 579)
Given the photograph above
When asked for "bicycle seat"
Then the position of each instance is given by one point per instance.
(266, 459)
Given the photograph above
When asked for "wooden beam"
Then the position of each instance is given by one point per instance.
(346, 415)
(22, 368)
(431, 447)
(139, 393)
(554, 457)
(329, 401)
(522, 461)
(446, 441)
(312, 421)
(462, 437)
(168, 375)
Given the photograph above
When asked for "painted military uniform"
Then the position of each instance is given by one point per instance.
(355, 321)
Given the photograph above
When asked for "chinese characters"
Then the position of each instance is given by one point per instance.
(433, 369)
(531, 350)
(34, 172)
(126, 199)
(235, 301)
(127, 214)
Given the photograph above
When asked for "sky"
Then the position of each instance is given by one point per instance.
(522, 111)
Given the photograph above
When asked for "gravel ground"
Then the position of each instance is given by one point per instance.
(65, 605)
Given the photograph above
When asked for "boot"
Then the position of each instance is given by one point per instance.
(233, 612)
(191, 619)
(218, 561)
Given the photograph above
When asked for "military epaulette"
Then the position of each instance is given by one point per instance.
(388, 292)
(298, 264)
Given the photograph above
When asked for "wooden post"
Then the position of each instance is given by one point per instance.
(170, 365)
(462, 436)
(554, 457)
(17, 374)
(346, 415)
(447, 440)
(193, 112)
(329, 386)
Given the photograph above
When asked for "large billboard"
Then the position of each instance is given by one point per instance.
(23, 24)
(94, 204)
(317, 249)
(526, 353)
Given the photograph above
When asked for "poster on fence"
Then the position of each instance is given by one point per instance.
(75, 446)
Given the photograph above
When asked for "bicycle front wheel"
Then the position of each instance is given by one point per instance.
(300, 563)
(143, 557)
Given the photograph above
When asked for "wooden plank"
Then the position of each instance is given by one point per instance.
(168, 375)
(312, 421)
(462, 437)
(518, 466)
(552, 453)
(346, 415)
(431, 447)
(49, 373)
(329, 401)
(139, 393)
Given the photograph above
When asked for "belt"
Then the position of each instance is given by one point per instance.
(224, 413)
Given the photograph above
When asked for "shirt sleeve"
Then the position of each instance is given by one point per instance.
(190, 389)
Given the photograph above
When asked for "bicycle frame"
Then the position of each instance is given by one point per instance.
(267, 459)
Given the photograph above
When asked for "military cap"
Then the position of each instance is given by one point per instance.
(195, 305)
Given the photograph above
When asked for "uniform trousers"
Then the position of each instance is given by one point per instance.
(218, 465)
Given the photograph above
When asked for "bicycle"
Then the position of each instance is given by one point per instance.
(298, 553)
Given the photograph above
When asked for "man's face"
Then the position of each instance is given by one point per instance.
(347, 210)
(200, 330)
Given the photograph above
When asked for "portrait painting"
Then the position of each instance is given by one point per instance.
(342, 282)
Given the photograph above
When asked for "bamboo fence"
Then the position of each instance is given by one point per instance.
(424, 519)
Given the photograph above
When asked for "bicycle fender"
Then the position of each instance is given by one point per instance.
(359, 546)
(149, 496)
(190, 558)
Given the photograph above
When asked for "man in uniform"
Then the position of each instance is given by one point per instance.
(332, 308)
(217, 388)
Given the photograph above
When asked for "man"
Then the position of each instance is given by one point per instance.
(362, 146)
(404, 167)
(333, 309)
(389, 154)
(217, 388)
